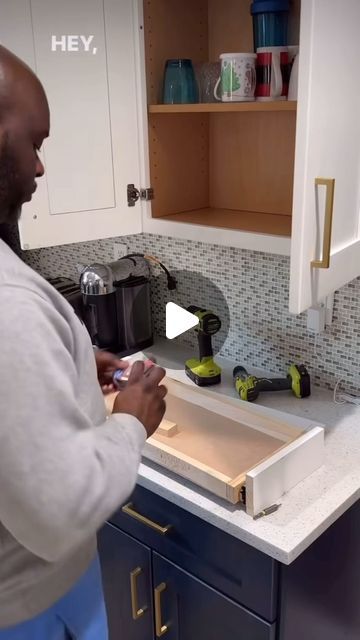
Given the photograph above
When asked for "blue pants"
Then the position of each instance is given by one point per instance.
(79, 615)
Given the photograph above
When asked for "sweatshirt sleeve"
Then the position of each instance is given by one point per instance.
(60, 476)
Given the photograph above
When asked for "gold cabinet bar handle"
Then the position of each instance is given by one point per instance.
(130, 511)
(137, 611)
(329, 183)
(160, 628)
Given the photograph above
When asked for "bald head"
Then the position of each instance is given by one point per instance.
(18, 84)
(24, 123)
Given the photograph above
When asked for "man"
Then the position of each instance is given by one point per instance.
(64, 468)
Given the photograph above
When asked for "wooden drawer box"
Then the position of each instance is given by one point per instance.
(239, 451)
(239, 571)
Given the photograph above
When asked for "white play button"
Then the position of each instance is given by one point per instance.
(178, 320)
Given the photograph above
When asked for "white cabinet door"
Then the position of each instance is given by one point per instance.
(93, 149)
(327, 146)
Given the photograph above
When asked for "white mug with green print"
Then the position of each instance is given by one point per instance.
(238, 77)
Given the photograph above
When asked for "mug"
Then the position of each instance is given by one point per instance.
(179, 82)
(293, 50)
(207, 74)
(293, 84)
(237, 78)
(272, 73)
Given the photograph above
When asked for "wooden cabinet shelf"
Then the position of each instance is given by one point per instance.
(251, 221)
(223, 107)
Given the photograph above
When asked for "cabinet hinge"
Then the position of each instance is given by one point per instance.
(134, 194)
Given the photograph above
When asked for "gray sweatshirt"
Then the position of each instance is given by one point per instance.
(64, 468)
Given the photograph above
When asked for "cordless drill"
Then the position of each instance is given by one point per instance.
(204, 371)
(249, 387)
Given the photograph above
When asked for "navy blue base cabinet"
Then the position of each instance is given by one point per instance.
(167, 573)
(188, 609)
(126, 569)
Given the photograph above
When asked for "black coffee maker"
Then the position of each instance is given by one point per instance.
(117, 305)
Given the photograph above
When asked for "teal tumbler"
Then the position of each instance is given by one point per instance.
(179, 82)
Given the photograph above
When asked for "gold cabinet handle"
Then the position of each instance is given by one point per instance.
(130, 511)
(329, 183)
(137, 611)
(160, 628)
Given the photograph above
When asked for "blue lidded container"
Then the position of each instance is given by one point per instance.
(270, 22)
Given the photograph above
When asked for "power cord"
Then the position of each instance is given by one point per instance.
(342, 398)
(338, 398)
(171, 281)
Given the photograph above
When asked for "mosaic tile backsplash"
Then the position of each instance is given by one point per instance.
(261, 332)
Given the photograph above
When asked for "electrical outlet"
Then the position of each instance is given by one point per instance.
(119, 250)
(321, 315)
(316, 317)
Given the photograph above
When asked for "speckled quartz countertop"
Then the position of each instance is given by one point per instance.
(308, 509)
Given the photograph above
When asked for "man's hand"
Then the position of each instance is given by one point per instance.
(107, 363)
(143, 397)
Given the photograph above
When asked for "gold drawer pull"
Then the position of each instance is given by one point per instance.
(160, 628)
(329, 183)
(137, 612)
(130, 511)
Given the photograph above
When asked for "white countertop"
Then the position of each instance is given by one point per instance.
(308, 509)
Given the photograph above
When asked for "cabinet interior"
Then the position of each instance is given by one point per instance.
(222, 168)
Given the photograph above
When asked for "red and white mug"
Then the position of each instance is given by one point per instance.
(272, 73)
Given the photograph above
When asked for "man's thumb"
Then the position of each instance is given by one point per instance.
(137, 372)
